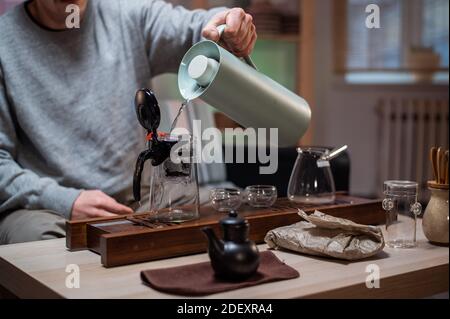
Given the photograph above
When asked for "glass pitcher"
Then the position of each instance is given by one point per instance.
(312, 181)
(174, 190)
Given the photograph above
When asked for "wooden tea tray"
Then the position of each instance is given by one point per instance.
(121, 241)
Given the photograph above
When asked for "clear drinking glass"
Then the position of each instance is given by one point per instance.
(312, 181)
(402, 209)
(261, 196)
(226, 200)
(174, 191)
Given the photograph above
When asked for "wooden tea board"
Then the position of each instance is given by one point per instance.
(125, 240)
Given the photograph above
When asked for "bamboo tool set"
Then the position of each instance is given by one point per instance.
(439, 162)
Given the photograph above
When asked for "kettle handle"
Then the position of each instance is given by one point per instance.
(247, 59)
(143, 157)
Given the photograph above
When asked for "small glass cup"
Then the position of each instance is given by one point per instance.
(226, 200)
(261, 196)
(402, 209)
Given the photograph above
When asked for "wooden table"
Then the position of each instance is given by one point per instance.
(38, 270)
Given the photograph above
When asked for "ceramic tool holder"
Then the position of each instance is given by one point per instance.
(436, 218)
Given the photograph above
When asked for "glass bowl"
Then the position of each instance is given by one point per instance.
(261, 196)
(226, 199)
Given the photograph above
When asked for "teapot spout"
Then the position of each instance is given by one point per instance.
(216, 247)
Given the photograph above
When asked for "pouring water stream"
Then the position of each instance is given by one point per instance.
(184, 105)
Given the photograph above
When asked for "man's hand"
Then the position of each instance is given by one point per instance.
(94, 204)
(240, 34)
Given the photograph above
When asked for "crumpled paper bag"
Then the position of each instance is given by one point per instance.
(328, 236)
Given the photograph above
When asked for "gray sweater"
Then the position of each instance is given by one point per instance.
(67, 120)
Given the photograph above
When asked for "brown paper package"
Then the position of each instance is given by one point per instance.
(326, 236)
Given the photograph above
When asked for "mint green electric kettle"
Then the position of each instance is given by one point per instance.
(235, 87)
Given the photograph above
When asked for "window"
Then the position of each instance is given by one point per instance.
(370, 48)
(435, 27)
(413, 38)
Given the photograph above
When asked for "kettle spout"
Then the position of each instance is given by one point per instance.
(216, 246)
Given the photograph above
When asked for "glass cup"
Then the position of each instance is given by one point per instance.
(226, 200)
(402, 209)
(261, 196)
(312, 181)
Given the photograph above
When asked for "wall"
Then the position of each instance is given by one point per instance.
(345, 114)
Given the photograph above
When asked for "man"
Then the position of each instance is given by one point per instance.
(69, 136)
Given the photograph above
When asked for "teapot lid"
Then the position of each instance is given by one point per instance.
(233, 219)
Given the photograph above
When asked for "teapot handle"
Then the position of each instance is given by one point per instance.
(247, 59)
(143, 157)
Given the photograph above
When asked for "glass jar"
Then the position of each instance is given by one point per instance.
(312, 181)
(402, 210)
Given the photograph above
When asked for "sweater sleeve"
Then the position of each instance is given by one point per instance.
(169, 31)
(21, 188)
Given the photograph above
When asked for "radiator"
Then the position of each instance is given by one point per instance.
(407, 129)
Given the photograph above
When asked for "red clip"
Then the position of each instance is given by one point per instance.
(160, 135)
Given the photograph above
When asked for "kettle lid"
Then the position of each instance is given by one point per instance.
(203, 70)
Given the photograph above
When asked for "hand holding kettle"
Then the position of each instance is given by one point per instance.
(239, 36)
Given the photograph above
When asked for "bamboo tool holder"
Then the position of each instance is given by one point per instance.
(439, 162)
(133, 239)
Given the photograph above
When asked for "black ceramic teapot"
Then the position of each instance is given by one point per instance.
(234, 258)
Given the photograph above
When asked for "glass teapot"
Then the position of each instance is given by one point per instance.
(174, 191)
(312, 181)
